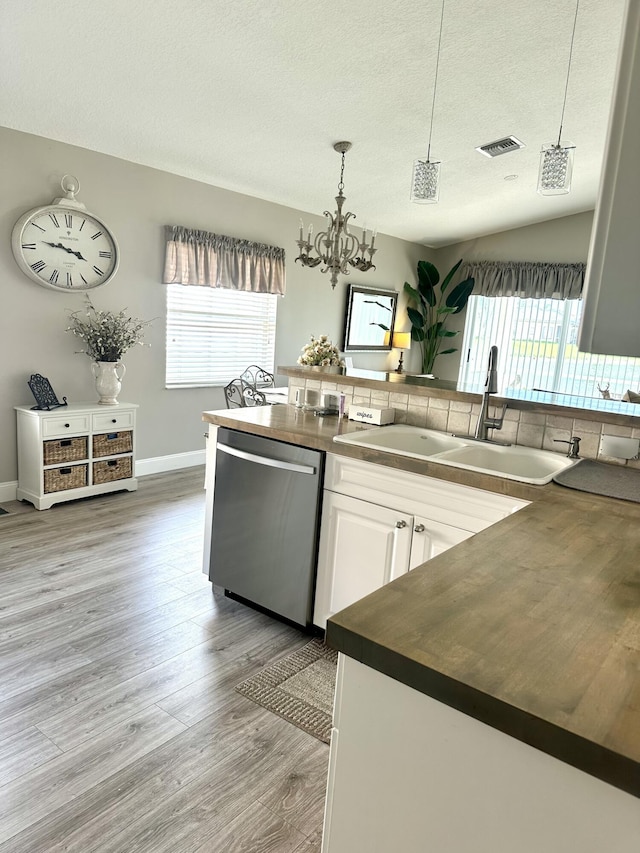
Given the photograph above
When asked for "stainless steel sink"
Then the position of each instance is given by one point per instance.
(513, 462)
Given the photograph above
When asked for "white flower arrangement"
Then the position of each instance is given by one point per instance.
(320, 352)
(105, 334)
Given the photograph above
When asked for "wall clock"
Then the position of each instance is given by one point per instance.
(63, 246)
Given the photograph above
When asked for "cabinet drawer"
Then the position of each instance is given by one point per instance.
(64, 450)
(112, 420)
(464, 507)
(61, 479)
(111, 443)
(112, 469)
(61, 425)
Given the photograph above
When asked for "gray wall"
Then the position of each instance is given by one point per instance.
(560, 240)
(137, 202)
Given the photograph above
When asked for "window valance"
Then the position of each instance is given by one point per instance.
(215, 260)
(526, 279)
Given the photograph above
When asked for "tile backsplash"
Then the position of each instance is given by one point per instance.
(521, 426)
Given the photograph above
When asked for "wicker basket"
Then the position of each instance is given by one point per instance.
(111, 443)
(65, 450)
(61, 479)
(111, 469)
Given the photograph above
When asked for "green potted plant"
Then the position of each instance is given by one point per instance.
(432, 306)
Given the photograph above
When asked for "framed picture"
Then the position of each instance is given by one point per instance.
(369, 317)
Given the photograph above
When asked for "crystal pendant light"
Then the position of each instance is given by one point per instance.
(425, 182)
(556, 159)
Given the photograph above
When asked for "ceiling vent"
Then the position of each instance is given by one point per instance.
(500, 146)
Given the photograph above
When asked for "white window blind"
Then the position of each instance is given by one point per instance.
(213, 334)
(536, 340)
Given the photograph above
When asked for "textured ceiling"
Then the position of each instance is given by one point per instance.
(250, 95)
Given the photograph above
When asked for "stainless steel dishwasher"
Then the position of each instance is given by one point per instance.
(264, 535)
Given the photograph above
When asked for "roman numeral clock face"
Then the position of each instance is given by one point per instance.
(64, 248)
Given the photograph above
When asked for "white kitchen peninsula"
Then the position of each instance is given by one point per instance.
(501, 679)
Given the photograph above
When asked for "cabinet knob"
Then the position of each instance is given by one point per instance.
(114, 420)
(67, 425)
(401, 524)
(419, 528)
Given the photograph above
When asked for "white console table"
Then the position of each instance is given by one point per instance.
(75, 451)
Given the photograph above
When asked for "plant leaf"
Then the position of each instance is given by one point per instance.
(416, 318)
(411, 291)
(447, 351)
(445, 309)
(447, 280)
(460, 294)
(417, 334)
(445, 333)
(428, 277)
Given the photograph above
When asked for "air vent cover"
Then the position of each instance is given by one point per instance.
(500, 146)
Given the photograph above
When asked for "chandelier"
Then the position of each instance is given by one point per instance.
(337, 248)
(556, 160)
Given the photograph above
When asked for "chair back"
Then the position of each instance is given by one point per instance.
(233, 394)
(258, 377)
(253, 396)
(239, 394)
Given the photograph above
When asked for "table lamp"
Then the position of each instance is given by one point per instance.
(401, 341)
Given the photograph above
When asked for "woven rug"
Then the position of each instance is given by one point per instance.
(299, 688)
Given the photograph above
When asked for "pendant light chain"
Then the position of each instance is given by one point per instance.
(435, 82)
(556, 158)
(425, 180)
(566, 85)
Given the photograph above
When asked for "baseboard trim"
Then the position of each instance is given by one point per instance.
(172, 462)
(8, 491)
(154, 465)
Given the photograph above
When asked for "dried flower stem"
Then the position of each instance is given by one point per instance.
(105, 334)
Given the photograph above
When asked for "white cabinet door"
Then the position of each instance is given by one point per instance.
(611, 309)
(431, 538)
(362, 547)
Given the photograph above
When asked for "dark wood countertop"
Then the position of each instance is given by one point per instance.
(531, 626)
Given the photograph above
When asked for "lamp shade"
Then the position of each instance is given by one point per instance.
(401, 340)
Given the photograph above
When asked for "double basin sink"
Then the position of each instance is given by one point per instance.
(525, 464)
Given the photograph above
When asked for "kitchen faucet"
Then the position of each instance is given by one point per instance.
(485, 423)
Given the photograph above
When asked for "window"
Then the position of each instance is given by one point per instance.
(213, 334)
(536, 339)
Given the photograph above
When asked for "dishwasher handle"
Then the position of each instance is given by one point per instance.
(266, 460)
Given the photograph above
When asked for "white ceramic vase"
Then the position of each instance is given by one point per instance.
(108, 376)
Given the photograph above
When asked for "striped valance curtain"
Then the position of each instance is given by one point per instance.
(526, 279)
(215, 260)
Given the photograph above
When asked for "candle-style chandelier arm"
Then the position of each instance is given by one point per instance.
(337, 248)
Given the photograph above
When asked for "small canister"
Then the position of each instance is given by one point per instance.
(330, 402)
(311, 398)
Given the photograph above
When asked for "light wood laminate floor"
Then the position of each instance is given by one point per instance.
(120, 730)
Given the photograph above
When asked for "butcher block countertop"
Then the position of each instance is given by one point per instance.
(531, 626)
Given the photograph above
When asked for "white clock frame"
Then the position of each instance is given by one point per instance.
(65, 207)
